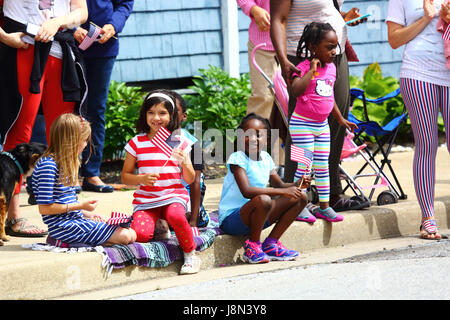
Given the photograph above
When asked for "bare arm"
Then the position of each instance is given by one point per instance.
(128, 176)
(59, 208)
(77, 16)
(13, 40)
(250, 192)
(279, 12)
(399, 35)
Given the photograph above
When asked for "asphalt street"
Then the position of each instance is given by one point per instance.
(414, 272)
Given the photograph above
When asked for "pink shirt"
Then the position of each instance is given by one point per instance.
(317, 101)
(254, 34)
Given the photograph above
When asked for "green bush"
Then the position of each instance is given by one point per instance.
(375, 86)
(220, 101)
(122, 112)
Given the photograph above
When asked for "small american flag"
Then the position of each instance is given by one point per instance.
(446, 35)
(302, 155)
(159, 140)
(118, 218)
(92, 36)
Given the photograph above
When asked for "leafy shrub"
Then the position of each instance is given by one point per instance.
(220, 101)
(122, 112)
(375, 86)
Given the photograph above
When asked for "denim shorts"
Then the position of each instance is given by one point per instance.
(234, 225)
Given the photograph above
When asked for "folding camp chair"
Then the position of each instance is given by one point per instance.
(383, 135)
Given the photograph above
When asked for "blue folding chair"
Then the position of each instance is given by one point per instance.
(383, 135)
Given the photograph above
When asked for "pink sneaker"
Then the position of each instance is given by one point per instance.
(306, 216)
(328, 214)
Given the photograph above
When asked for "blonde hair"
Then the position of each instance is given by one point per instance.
(67, 132)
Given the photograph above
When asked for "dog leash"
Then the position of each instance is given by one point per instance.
(14, 159)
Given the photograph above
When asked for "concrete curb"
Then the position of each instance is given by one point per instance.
(46, 275)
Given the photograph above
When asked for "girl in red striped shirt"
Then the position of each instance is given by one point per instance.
(161, 193)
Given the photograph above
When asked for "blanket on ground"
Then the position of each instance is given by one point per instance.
(153, 254)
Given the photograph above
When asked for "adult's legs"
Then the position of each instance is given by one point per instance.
(342, 98)
(98, 73)
(423, 101)
(53, 106)
(261, 99)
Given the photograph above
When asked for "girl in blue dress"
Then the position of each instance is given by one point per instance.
(53, 181)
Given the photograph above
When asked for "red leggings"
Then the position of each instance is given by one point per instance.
(51, 98)
(144, 224)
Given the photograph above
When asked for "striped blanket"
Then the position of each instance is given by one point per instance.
(153, 254)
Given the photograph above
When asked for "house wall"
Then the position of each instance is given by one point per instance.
(166, 39)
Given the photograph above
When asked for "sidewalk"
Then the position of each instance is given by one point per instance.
(27, 274)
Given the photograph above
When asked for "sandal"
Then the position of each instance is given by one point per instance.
(428, 230)
(23, 228)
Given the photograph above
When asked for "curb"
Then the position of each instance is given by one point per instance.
(47, 275)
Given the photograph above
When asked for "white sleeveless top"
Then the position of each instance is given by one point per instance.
(36, 12)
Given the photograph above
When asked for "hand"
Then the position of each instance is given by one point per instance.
(287, 68)
(14, 40)
(149, 179)
(93, 216)
(444, 13)
(315, 63)
(349, 125)
(47, 30)
(107, 32)
(89, 205)
(262, 18)
(305, 184)
(292, 192)
(429, 9)
(353, 13)
(80, 34)
(179, 155)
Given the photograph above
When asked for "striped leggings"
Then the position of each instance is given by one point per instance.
(314, 136)
(423, 101)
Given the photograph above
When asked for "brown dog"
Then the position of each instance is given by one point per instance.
(14, 163)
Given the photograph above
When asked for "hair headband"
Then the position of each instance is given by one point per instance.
(164, 96)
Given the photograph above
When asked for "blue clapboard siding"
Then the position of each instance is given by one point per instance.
(369, 40)
(169, 39)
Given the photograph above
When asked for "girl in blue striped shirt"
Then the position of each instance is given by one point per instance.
(53, 179)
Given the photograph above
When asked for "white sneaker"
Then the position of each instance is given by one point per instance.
(191, 264)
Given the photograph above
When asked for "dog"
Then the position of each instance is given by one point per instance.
(17, 162)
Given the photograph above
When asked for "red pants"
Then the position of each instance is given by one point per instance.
(51, 98)
(144, 224)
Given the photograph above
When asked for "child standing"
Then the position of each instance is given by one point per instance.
(161, 193)
(313, 88)
(246, 206)
(53, 182)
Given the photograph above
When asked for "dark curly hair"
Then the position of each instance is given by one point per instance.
(312, 35)
(142, 126)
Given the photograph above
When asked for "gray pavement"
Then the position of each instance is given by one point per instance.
(396, 274)
(27, 274)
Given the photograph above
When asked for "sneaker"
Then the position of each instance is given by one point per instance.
(306, 216)
(191, 264)
(328, 214)
(253, 253)
(276, 251)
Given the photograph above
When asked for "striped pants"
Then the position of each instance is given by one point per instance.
(423, 101)
(314, 136)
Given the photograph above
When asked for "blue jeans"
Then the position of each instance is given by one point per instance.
(98, 74)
